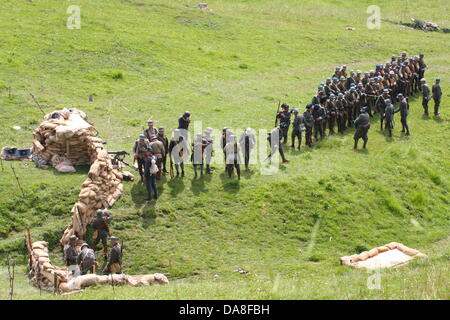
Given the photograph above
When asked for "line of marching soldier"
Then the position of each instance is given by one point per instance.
(349, 100)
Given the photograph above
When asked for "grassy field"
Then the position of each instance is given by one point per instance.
(229, 67)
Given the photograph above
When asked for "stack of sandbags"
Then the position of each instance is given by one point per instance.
(48, 277)
(100, 190)
(358, 260)
(65, 133)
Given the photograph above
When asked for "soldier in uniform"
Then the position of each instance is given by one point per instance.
(163, 138)
(285, 121)
(341, 84)
(101, 229)
(362, 126)
(380, 104)
(114, 264)
(183, 124)
(247, 142)
(331, 113)
(437, 94)
(318, 114)
(422, 66)
(209, 150)
(198, 153)
(159, 152)
(232, 150)
(86, 259)
(276, 144)
(140, 147)
(309, 124)
(341, 109)
(404, 111)
(389, 116)
(298, 127)
(426, 96)
(223, 142)
(150, 172)
(70, 256)
(177, 150)
(150, 131)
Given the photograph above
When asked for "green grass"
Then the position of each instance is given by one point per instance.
(229, 67)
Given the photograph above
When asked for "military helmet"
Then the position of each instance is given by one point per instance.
(225, 129)
(421, 55)
(332, 96)
(84, 245)
(366, 73)
(141, 136)
(328, 79)
(295, 110)
(423, 80)
(317, 106)
(309, 106)
(385, 91)
(352, 89)
(187, 114)
(99, 212)
(160, 128)
(338, 68)
(438, 79)
(285, 106)
(403, 53)
(360, 84)
(400, 95)
(358, 72)
(363, 109)
(340, 94)
(393, 57)
(73, 238)
(113, 238)
(342, 78)
(149, 121)
(387, 101)
(335, 79)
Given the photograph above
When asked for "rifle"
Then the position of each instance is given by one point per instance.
(278, 110)
(119, 156)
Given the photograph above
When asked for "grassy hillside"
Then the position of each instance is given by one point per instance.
(229, 67)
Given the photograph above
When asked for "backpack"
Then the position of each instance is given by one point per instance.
(89, 256)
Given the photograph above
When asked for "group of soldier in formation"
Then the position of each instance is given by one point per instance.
(344, 100)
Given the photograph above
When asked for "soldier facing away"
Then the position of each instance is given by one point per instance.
(163, 138)
(426, 95)
(150, 131)
(209, 150)
(141, 145)
(233, 159)
(362, 126)
(298, 126)
(437, 94)
(404, 112)
(150, 172)
(86, 259)
(247, 142)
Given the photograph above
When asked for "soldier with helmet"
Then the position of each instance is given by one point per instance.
(437, 94)
(101, 229)
(209, 150)
(141, 145)
(298, 126)
(309, 124)
(71, 254)
(114, 264)
(362, 126)
(163, 138)
(285, 121)
(86, 259)
(151, 130)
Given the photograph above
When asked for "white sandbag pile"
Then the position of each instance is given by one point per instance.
(393, 254)
(48, 277)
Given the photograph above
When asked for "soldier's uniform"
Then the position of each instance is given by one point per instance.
(422, 66)
(159, 152)
(362, 126)
(247, 142)
(426, 96)
(276, 143)
(389, 117)
(150, 175)
(163, 138)
(114, 264)
(86, 259)
(183, 124)
(198, 154)
(180, 146)
(298, 127)
(437, 94)
(309, 124)
(150, 132)
(341, 109)
(285, 121)
(380, 105)
(101, 229)
(331, 113)
(233, 160)
(140, 147)
(70, 256)
(404, 111)
(209, 149)
(318, 114)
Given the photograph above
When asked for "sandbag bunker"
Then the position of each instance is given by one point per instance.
(59, 279)
(65, 139)
(393, 254)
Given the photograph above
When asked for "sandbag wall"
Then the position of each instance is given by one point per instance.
(66, 139)
(102, 188)
(52, 278)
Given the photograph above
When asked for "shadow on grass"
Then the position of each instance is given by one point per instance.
(230, 185)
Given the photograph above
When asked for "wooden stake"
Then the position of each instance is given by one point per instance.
(17, 179)
(35, 101)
